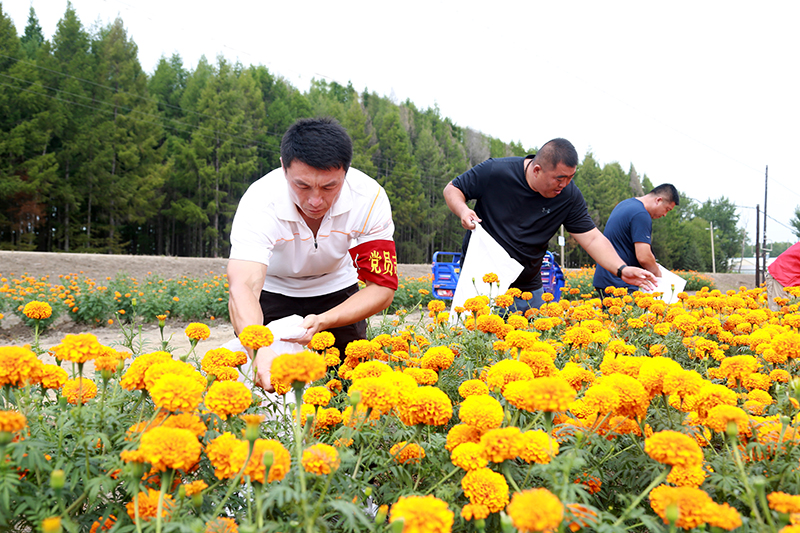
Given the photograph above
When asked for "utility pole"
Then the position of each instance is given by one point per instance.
(713, 256)
(758, 248)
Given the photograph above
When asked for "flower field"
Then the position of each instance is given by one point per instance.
(621, 415)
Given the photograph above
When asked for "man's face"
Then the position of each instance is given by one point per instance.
(662, 208)
(313, 190)
(549, 183)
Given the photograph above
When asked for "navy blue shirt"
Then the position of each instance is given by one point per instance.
(520, 219)
(628, 224)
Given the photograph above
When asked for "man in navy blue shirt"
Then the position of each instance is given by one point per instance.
(630, 228)
(521, 203)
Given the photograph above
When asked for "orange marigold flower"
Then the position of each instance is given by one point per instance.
(103, 525)
(691, 502)
(547, 297)
(221, 357)
(334, 385)
(78, 348)
(535, 510)
(503, 301)
(227, 454)
(177, 393)
(634, 399)
(407, 453)
(422, 513)
(507, 371)
(170, 366)
(256, 336)
(435, 306)
(195, 487)
(460, 434)
(37, 310)
(222, 524)
(321, 340)
(536, 446)
(79, 389)
(484, 487)
(438, 358)
(720, 416)
(469, 456)
(12, 421)
(673, 448)
(472, 387)
(148, 505)
(376, 393)
(188, 421)
(53, 376)
(281, 461)
(491, 277)
(317, 396)
(482, 412)
(502, 444)
(165, 447)
(320, 459)
(197, 331)
(302, 367)
(226, 398)
(422, 376)
(687, 476)
(425, 405)
(133, 379)
(540, 394)
(783, 502)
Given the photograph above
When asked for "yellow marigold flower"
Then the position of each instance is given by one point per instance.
(711, 395)
(79, 389)
(657, 350)
(188, 421)
(460, 434)
(425, 405)
(438, 358)
(363, 349)
(540, 362)
(501, 444)
(719, 416)
(155, 371)
(326, 418)
(11, 421)
(217, 357)
(376, 393)
(52, 525)
(506, 371)
(165, 447)
(737, 367)
(222, 524)
(482, 412)
(37, 310)
(321, 340)
(148, 505)
(662, 328)
(485, 487)
(535, 510)
(226, 398)
(198, 331)
(227, 455)
(540, 394)
(78, 348)
(321, 459)
(317, 396)
(601, 399)
(176, 393)
(133, 379)
(435, 306)
(652, 372)
(422, 514)
(503, 301)
(547, 297)
(302, 367)
(491, 277)
(369, 369)
(518, 322)
(472, 387)
(469, 456)
(256, 336)
(783, 502)
(682, 383)
(634, 399)
(536, 446)
(224, 373)
(53, 377)
(490, 324)
(673, 448)
(422, 376)
(576, 375)
(407, 453)
(691, 502)
(281, 461)
(687, 476)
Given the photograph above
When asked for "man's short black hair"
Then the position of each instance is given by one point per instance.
(556, 151)
(321, 143)
(668, 192)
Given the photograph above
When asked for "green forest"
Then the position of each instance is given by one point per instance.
(98, 156)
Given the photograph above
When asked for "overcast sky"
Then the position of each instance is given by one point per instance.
(703, 95)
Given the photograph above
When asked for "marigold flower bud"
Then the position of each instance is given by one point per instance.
(57, 479)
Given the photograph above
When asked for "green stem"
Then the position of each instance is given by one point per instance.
(445, 478)
(165, 479)
(298, 449)
(659, 479)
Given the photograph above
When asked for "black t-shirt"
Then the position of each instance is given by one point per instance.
(521, 220)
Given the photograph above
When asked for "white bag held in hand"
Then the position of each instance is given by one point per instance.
(484, 255)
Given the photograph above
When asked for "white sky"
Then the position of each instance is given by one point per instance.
(701, 94)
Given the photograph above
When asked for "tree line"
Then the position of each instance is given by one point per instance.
(96, 155)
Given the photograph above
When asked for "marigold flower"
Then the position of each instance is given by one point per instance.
(80, 389)
(148, 505)
(195, 487)
(320, 459)
(78, 348)
(423, 376)
(12, 421)
(687, 476)
(472, 387)
(155, 371)
(407, 453)
(674, 449)
(321, 340)
(165, 447)
(502, 444)
(460, 434)
(53, 376)
(540, 394)
(503, 301)
(302, 367)
(506, 371)
(720, 416)
(362, 349)
(317, 396)
(425, 405)
(491, 277)
(474, 512)
(222, 524)
(52, 525)
(103, 525)
(197, 331)
(133, 379)
(256, 336)
(485, 487)
(652, 372)
(369, 369)
(37, 310)
(711, 395)
(422, 513)
(438, 358)
(536, 446)
(691, 502)
(376, 393)
(535, 510)
(224, 357)
(634, 399)
(226, 398)
(469, 456)
(783, 502)
(177, 393)
(436, 306)
(188, 421)
(482, 412)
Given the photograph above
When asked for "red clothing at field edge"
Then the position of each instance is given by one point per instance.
(786, 267)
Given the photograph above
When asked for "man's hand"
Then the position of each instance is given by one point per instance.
(457, 203)
(640, 277)
(469, 219)
(312, 325)
(263, 364)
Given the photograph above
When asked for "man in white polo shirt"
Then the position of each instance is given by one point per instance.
(303, 236)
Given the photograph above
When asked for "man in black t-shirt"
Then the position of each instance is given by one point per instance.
(521, 203)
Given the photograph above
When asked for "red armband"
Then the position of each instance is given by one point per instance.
(376, 262)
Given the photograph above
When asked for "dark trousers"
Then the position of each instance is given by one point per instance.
(275, 306)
